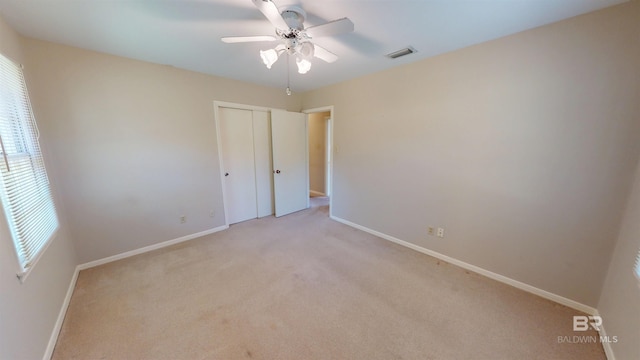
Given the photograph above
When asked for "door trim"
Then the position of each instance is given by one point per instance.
(332, 114)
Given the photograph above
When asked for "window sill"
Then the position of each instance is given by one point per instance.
(23, 275)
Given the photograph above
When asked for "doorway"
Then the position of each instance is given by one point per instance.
(320, 155)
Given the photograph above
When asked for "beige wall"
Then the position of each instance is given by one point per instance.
(28, 312)
(620, 297)
(522, 148)
(317, 150)
(135, 144)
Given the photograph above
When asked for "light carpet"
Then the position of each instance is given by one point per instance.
(306, 287)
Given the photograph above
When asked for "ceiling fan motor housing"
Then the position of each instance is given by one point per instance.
(291, 45)
(294, 16)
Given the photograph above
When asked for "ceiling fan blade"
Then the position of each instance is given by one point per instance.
(243, 39)
(331, 28)
(271, 12)
(324, 54)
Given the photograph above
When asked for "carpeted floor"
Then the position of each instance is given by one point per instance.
(306, 287)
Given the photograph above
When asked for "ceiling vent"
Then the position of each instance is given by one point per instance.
(401, 52)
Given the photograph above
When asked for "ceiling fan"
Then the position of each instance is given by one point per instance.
(294, 38)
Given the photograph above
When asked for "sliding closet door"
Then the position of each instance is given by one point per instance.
(236, 136)
(290, 161)
(264, 165)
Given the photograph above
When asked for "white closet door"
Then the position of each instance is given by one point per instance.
(236, 135)
(264, 164)
(290, 161)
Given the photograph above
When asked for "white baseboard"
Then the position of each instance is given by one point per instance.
(608, 350)
(63, 312)
(515, 283)
(150, 248)
(316, 193)
(65, 305)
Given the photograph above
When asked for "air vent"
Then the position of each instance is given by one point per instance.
(401, 52)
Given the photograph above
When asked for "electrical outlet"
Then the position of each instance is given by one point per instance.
(441, 232)
(212, 213)
(431, 231)
(183, 219)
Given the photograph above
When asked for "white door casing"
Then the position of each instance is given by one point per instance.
(328, 146)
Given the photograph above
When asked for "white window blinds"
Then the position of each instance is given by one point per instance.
(24, 186)
(637, 266)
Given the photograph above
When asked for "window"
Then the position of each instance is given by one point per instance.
(24, 187)
(637, 266)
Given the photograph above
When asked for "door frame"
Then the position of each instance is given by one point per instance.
(216, 116)
(327, 164)
(332, 118)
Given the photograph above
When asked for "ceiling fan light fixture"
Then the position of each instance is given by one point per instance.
(304, 65)
(295, 39)
(269, 57)
(306, 50)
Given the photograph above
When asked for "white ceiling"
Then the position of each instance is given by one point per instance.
(186, 33)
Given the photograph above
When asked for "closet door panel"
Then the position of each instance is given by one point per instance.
(236, 130)
(263, 161)
(290, 161)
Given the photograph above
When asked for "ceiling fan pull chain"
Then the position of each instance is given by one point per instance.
(288, 85)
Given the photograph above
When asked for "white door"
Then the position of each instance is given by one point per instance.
(236, 137)
(263, 161)
(290, 161)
